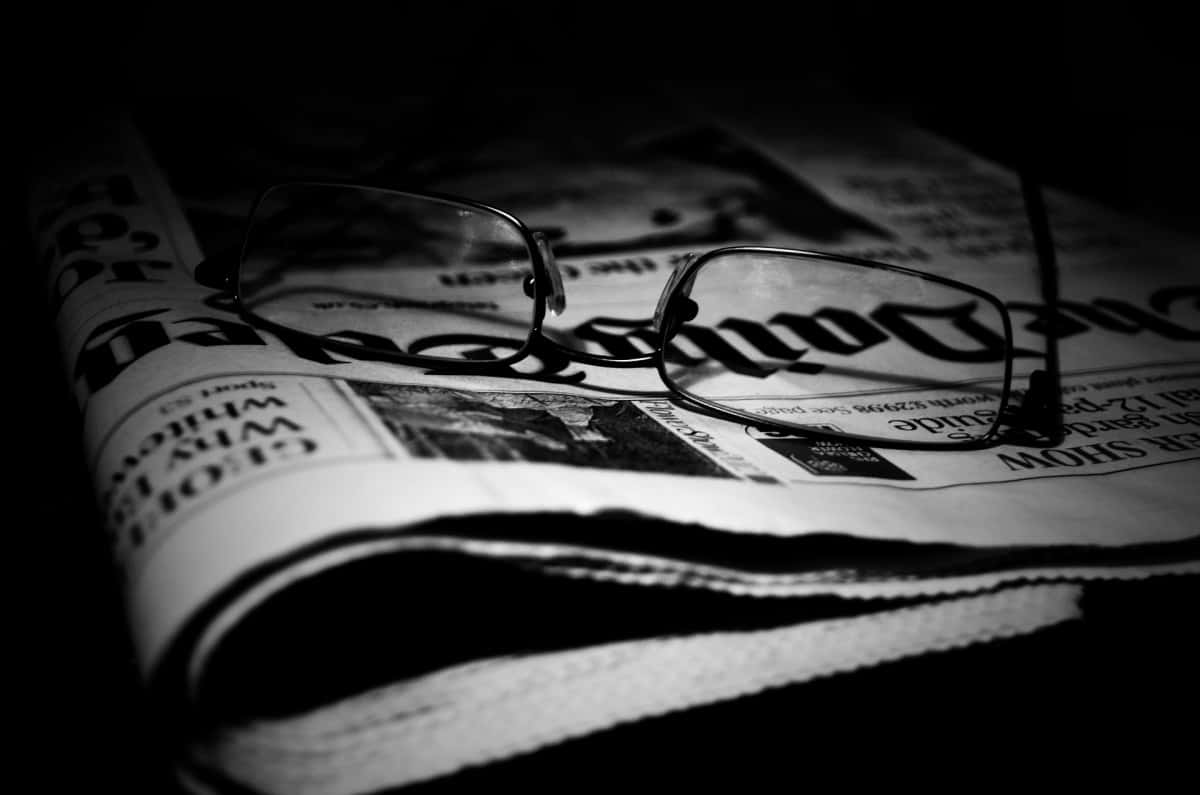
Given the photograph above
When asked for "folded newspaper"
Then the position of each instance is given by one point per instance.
(345, 575)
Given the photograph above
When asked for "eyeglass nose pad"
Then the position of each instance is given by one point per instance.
(219, 271)
(684, 290)
(556, 301)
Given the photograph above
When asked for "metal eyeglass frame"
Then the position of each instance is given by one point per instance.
(1035, 422)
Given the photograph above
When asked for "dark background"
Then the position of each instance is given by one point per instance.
(1103, 99)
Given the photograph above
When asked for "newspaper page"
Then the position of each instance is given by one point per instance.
(232, 462)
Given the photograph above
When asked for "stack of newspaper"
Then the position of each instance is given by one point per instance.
(346, 575)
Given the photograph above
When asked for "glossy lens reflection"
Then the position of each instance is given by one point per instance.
(388, 271)
(817, 343)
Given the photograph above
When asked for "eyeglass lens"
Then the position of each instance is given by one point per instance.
(822, 344)
(386, 270)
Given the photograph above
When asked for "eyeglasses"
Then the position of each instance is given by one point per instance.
(789, 341)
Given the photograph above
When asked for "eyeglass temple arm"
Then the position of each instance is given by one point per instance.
(1038, 419)
(218, 271)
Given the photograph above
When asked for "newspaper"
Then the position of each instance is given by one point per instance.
(232, 464)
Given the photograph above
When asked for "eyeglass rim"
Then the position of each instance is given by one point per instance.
(542, 284)
(674, 296)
